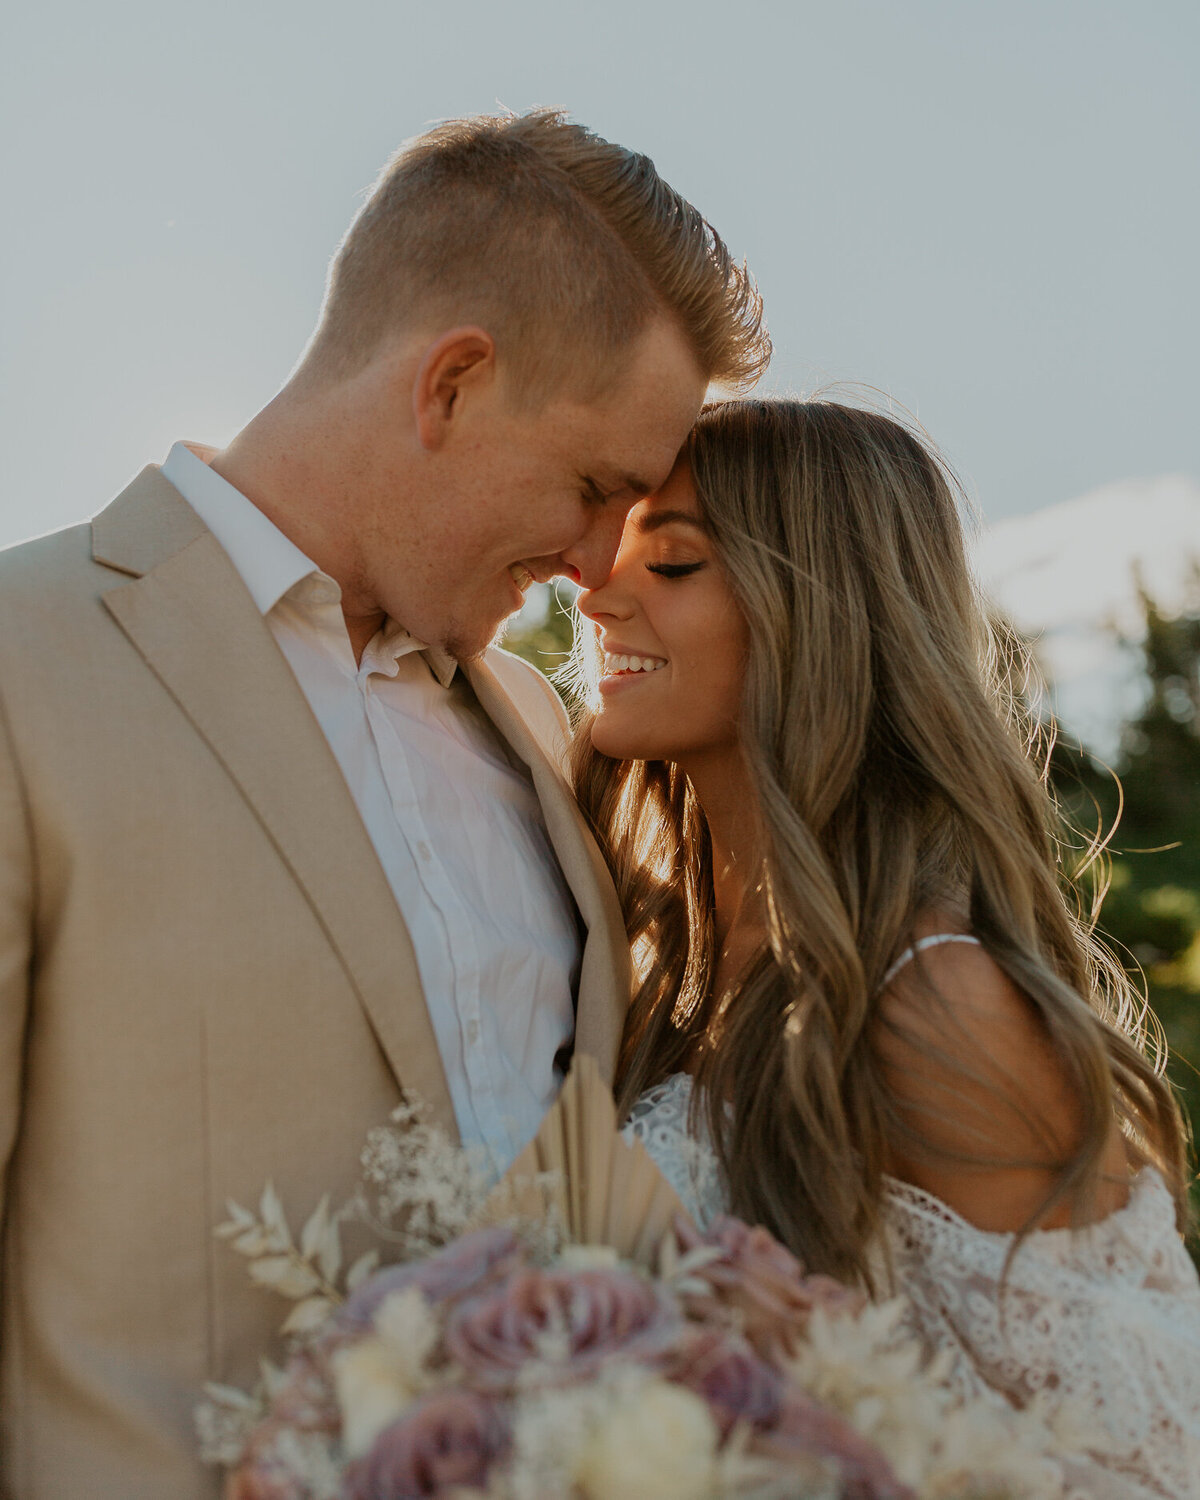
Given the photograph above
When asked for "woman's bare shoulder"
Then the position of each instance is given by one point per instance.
(954, 1006)
(973, 1072)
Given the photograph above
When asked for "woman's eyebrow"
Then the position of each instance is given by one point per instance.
(652, 520)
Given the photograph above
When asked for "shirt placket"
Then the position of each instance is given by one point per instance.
(404, 776)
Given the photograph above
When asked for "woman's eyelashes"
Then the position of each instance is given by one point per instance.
(673, 570)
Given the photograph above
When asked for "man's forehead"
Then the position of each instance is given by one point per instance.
(646, 417)
(639, 462)
(622, 479)
(633, 452)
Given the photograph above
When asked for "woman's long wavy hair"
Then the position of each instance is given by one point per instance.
(894, 770)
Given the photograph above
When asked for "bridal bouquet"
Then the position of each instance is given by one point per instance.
(572, 1336)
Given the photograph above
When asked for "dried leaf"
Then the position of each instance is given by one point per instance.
(308, 1316)
(239, 1219)
(697, 1258)
(285, 1274)
(274, 1219)
(314, 1230)
(329, 1252)
(255, 1241)
(229, 1395)
(361, 1269)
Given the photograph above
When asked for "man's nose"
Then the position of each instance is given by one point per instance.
(592, 557)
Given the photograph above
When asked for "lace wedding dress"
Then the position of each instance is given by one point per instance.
(1106, 1318)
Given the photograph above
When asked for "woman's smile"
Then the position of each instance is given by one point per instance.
(667, 604)
(622, 667)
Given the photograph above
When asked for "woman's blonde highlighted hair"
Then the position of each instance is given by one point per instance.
(894, 775)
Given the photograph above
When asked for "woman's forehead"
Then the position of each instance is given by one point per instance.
(674, 504)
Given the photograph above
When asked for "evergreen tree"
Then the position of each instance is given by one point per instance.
(1150, 803)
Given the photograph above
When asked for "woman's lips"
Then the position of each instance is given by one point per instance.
(626, 661)
(622, 669)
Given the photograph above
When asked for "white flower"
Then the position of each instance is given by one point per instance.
(405, 1322)
(653, 1442)
(371, 1393)
(872, 1369)
(588, 1258)
(377, 1378)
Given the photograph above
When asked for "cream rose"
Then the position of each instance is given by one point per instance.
(654, 1442)
(377, 1378)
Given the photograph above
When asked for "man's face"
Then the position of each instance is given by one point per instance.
(519, 495)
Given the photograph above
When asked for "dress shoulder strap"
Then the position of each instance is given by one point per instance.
(919, 947)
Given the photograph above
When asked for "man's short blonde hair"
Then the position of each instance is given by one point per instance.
(562, 245)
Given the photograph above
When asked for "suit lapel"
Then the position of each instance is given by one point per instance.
(192, 620)
(604, 979)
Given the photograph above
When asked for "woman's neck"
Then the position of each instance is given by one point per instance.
(723, 787)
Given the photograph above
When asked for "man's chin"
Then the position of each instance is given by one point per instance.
(467, 642)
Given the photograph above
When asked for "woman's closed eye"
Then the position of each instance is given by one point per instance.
(674, 570)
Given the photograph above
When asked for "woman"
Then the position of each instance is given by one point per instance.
(864, 982)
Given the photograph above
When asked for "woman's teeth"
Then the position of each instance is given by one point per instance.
(614, 664)
(520, 575)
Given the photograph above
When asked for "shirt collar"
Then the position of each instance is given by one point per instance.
(268, 563)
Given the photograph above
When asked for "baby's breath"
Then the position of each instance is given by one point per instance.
(225, 1419)
(420, 1190)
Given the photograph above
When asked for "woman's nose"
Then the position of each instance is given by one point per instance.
(608, 601)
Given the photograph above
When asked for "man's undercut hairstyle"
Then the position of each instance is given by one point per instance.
(561, 245)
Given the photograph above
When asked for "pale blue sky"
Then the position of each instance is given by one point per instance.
(989, 210)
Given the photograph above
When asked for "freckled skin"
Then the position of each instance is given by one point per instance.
(422, 482)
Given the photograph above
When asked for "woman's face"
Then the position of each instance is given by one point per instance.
(667, 606)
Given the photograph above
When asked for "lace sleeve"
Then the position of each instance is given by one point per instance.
(661, 1121)
(1103, 1321)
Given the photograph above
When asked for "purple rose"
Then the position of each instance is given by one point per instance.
(806, 1429)
(762, 1284)
(461, 1266)
(589, 1315)
(448, 1440)
(737, 1385)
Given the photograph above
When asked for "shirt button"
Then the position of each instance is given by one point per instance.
(473, 1032)
(424, 850)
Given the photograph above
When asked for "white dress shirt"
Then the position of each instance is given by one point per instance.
(453, 817)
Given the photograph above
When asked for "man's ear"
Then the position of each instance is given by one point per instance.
(456, 363)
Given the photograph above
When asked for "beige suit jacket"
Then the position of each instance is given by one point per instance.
(205, 982)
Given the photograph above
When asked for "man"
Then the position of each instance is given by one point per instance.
(280, 837)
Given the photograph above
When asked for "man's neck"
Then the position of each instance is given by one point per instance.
(282, 464)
